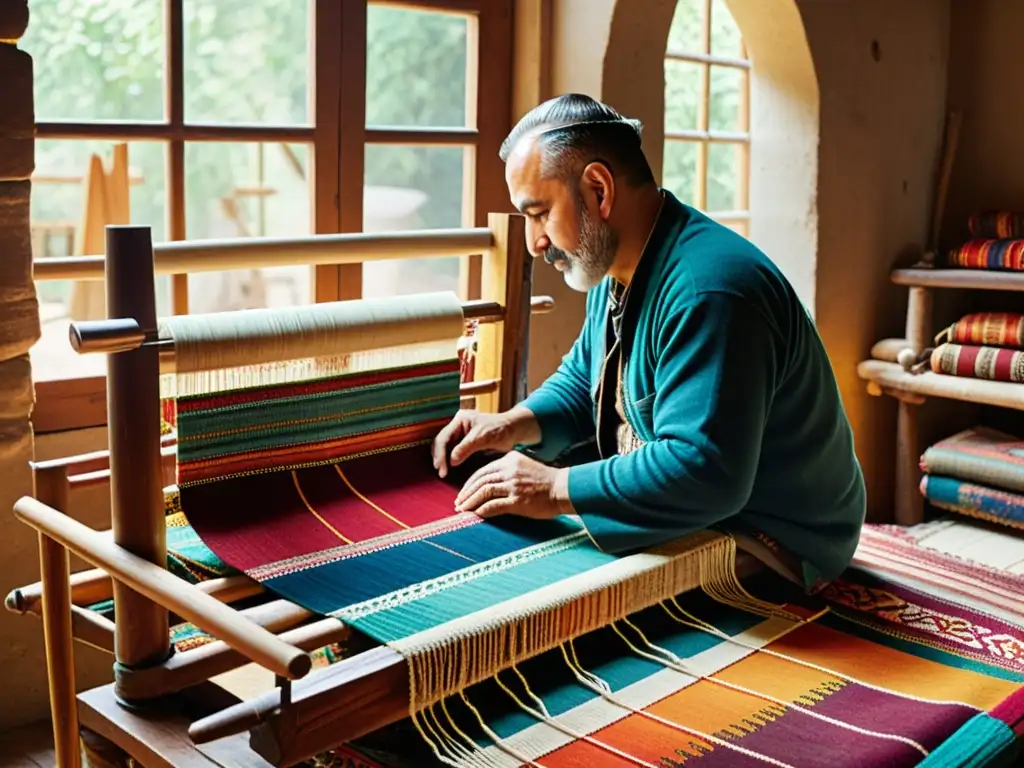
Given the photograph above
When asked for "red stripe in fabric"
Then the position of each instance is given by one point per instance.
(965, 361)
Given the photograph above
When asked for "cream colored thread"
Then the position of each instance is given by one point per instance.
(711, 630)
(604, 690)
(672, 661)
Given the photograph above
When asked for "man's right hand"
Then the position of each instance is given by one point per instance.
(473, 431)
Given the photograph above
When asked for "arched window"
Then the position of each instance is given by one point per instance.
(707, 112)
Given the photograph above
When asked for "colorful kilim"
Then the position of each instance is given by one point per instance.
(996, 224)
(997, 254)
(980, 501)
(978, 362)
(979, 455)
(994, 329)
(695, 682)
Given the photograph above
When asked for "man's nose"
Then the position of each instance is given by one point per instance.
(539, 247)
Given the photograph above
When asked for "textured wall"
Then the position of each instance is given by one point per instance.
(22, 657)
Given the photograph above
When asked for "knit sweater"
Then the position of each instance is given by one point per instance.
(730, 393)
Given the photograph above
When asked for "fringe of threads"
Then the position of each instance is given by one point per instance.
(447, 660)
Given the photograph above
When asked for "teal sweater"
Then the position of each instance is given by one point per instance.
(728, 384)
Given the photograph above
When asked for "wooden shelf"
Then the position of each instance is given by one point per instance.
(976, 279)
(891, 376)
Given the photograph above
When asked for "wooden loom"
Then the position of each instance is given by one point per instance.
(160, 707)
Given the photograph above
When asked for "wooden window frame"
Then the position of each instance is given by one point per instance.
(704, 137)
(337, 135)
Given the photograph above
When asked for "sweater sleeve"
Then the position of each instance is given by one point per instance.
(714, 381)
(563, 405)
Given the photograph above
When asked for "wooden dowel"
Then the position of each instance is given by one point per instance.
(89, 462)
(95, 585)
(255, 252)
(370, 690)
(92, 629)
(55, 570)
(161, 586)
(168, 461)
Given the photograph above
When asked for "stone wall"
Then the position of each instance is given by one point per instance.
(22, 667)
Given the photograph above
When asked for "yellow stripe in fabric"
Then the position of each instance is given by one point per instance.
(335, 531)
(392, 518)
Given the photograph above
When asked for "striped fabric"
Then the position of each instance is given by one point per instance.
(978, 362)
(979, 501)
(996, 224)
(980, 253)
(994, 329)
(275, 428)
(980, 455)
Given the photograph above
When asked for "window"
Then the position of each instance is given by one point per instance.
(707, 112)
(248, 118)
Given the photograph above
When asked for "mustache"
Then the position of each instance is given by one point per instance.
(553, 255)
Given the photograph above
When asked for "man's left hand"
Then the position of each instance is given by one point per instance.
(516, 485)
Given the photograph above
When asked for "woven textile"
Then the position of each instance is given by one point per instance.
(979, 455)
(981, 253)
(979, 501)
(994, 329)
(694, 682)
(897, 554)
(976, 362)
(996, 224)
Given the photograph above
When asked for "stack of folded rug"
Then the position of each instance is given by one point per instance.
(978, 472)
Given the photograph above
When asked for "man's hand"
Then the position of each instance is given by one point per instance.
(517, 485)
(473, 431)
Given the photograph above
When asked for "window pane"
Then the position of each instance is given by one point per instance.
(723, 176)
(97, 60)
(247, 190)
(682, 95)
(412, 188)
(58, 222)
(247, 61)
(725, 34)
(724, 112)
(415, 67)
(680, 171)
(687, 30)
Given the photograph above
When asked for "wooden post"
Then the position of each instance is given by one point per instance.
(133, 408)
(503, 348)
(55, 574)
(909, 504)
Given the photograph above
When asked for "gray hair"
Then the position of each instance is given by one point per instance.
(574, 130)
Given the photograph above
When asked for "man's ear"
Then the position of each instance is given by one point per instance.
(598, 181)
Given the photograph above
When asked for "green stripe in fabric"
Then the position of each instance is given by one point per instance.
(346, 425)
(846, 625)
(204, 426)
(981, 741)
(409, 618)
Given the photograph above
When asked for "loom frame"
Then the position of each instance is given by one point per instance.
(155, 692)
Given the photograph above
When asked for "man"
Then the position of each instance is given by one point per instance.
(698, 373)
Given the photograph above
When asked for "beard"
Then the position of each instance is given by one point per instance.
(586, 266)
